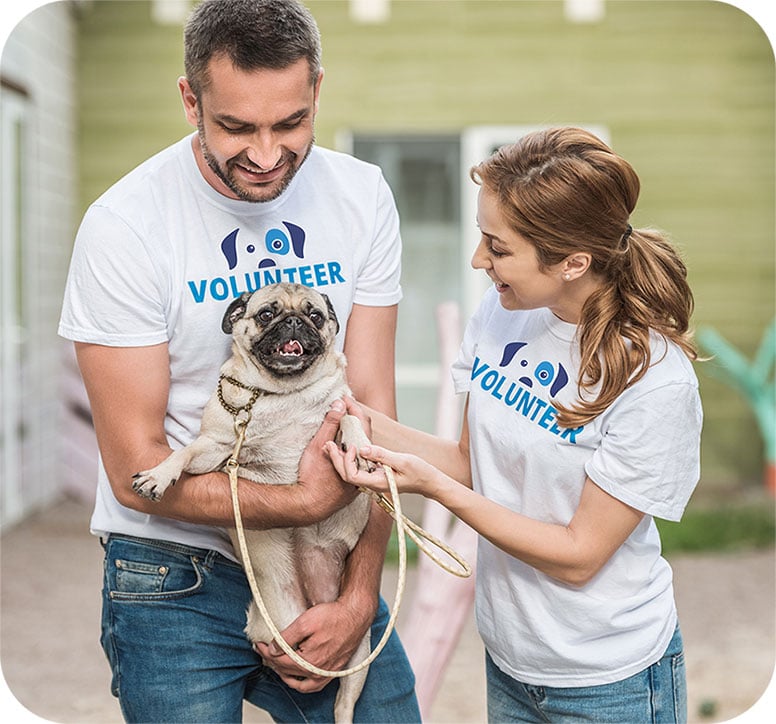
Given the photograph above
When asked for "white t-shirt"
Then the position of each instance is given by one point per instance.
(161, 254)
(644, 450)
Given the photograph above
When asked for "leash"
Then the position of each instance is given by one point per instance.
(404, 526)
(418, 534)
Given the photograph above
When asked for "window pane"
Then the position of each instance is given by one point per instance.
(423, 172)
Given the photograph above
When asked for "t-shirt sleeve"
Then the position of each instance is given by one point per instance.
(379, 280)
(113, 294)
(461, 368)
(649, 457)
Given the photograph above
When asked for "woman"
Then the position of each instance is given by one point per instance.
(582, 422)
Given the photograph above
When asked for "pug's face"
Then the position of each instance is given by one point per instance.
(283, 328)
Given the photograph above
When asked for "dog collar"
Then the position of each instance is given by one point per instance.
(256, 392)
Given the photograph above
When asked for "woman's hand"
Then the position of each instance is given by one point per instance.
(412, 474)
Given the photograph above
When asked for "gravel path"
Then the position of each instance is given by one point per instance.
(51, 660)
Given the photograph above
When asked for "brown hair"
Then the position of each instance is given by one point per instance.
(564, 190)
(253, 34)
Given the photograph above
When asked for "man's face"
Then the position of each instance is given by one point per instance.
(255, 127)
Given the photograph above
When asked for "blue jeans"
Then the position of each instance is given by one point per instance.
(658, 694)
(172, 629)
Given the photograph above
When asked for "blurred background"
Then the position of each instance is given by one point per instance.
(683, 89)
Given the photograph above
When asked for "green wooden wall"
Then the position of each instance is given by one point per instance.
(686, 88)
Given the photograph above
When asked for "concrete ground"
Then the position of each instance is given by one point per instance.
(53, 665)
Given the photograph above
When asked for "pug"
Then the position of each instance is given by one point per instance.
(283, 374)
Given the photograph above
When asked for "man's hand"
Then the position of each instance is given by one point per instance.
(326, 635)
(361, 412)
(129, 389)
(322, 490)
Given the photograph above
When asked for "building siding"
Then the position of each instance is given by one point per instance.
(39, 60)
(686, 90)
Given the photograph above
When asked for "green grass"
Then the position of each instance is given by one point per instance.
(392, 555)
(727, 529)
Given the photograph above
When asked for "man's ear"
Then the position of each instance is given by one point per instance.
(190, 102)
(234, 312)
(317, 92)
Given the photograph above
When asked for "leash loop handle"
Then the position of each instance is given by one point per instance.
(284, 645)
(419, 535)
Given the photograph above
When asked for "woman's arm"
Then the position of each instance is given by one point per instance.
(449, 456)
(572, 553)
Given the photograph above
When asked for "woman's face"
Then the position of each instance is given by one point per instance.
(511, 262)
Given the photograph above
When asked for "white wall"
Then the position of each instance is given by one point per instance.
(39, 192)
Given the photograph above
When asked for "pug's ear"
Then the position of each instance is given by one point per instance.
(234, 312)
(332, 313)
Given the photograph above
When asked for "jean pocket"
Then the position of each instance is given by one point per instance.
(132, 580)
(137, 577)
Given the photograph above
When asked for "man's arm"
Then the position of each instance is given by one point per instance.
(370, 351)
(370, 348)
(128, 390)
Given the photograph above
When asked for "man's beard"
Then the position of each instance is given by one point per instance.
(246, 194)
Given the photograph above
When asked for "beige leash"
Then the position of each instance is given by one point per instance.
(418, 534)
(403, 526)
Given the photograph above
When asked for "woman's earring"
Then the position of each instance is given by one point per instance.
(567, 277)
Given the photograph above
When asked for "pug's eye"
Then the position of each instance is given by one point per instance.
(265, 316)
(317, 318)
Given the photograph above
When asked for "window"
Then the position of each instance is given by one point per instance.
(423, 172)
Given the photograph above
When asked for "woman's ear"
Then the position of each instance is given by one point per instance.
(575, 265)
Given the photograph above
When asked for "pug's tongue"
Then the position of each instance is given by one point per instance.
(292, 347)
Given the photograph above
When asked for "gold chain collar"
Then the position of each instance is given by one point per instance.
(256, 392)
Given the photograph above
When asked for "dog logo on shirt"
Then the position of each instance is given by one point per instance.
(544, 373)
(277, 243)
(279, 258)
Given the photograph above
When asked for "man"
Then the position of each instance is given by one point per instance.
(245, 201)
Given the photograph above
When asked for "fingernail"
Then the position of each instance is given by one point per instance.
(338, 405)
(366, 451)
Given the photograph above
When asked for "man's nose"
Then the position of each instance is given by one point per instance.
(264, 151)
